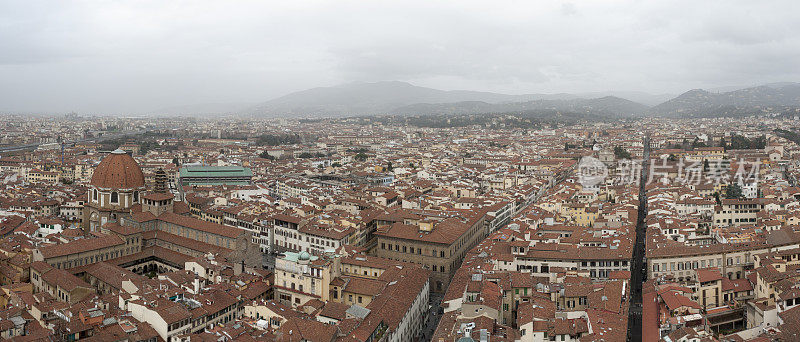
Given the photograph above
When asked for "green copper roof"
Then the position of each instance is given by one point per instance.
(215, 171)
(212, 182)
(293, 257)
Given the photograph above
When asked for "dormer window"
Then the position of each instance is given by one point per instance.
(114, 198)
(135, 197)
(94, 195)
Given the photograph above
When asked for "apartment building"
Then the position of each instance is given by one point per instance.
(680, 261)
(300, 277)
(437, 241)
(735, 212)
(60, 284)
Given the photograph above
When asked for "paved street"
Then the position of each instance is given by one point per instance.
(433, 317)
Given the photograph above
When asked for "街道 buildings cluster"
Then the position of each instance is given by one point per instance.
(722, 235)
(341, 230)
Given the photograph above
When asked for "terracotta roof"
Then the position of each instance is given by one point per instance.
(81, 245)
(365, 286)
(121, 230)
(206, 226)
(118, 170)
(708, 274)
(334, 310)
(158, 196)
(298, 329)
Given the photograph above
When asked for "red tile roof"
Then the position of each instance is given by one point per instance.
(118, 170)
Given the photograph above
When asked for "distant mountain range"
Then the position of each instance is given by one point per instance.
(699, 102)
(401, 98)
(396, 97)
(375, 98)
(609, 106)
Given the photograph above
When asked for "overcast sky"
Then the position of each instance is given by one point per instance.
(138, 56)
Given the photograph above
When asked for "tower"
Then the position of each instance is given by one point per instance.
(161, 181)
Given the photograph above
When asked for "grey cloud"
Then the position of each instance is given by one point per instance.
(568, 8)
(121, 57)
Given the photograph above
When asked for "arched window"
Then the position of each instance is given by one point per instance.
(135, 197)
(94, 195)
(114, 197)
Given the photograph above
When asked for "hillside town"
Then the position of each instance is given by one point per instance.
(187, 229)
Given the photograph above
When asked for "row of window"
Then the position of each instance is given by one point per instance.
(601, 273)
(616, 263)
(114, 196)
(90, 259)
(534, 268)
(691, 265)
(753, 219)
(409, 249)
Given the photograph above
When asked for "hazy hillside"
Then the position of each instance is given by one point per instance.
(753, 100)
(400, 98)
(377, 98)
(635, 96)
(605, 106)
(404, 98)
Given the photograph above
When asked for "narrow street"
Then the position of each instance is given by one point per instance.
(432, 320)
(638, 271)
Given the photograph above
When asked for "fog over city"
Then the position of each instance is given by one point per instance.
(112, 58)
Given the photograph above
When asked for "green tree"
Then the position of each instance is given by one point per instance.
(360, 157)
(621, 153)
(733, 191)
(697, 143)
(277, 139)
(739, 142)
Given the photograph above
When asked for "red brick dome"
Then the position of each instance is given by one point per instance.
(118, 170)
